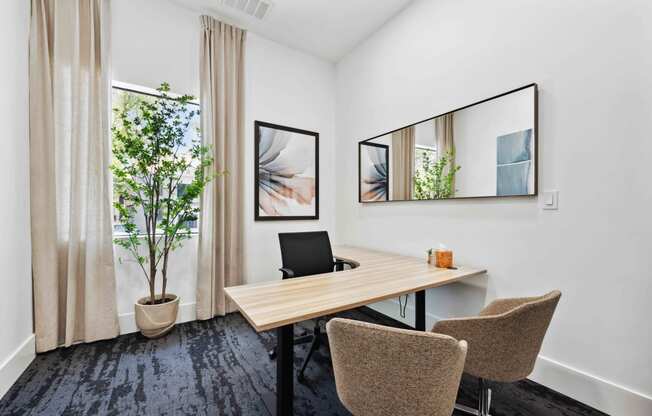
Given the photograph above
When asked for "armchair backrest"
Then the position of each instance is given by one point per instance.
(505, 340)
(306, 253)
(383, 371)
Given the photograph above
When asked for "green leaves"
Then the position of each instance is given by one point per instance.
(435, 180)
(158, 173)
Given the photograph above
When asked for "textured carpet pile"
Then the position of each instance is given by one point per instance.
(215, 367)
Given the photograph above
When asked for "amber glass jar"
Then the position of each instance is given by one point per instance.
(444, 258)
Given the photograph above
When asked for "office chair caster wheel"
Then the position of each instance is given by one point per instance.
(272, 354)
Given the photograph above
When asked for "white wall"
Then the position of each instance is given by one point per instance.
(155, 41)
(592, 63)
(475, 131)
(17, 340)
(287, 87)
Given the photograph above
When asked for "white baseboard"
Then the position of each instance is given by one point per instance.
(592, 390)
(16, 363)
(187, 313)
(586, 388)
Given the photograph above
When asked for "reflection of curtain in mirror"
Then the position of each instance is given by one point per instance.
(444, 139)
(402, 167)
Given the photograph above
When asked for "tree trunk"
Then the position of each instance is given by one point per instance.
(164, 273)
(152, 278)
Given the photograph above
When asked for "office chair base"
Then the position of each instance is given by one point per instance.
(318, 339)
(297, 341)
(484, 402)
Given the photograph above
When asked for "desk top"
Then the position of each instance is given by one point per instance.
(380, 276)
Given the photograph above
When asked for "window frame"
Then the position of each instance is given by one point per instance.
(139, 89)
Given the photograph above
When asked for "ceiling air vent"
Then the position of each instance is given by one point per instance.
(253, 8)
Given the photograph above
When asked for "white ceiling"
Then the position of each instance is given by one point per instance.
(326, 28)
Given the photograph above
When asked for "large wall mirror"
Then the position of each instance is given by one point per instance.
(486, 149)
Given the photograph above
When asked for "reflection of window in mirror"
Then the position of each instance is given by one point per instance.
(425, 158)
(422, 153)
(435, 168)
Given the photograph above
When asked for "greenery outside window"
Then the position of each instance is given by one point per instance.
(126, 97)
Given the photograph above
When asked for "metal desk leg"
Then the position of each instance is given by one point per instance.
(420, 310)
(284, 370)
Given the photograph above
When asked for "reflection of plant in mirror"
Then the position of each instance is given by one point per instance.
(432, 180)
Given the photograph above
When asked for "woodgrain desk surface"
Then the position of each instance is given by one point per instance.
(380, 276)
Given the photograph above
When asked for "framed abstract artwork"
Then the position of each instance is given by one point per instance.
(286, 173)
(374, 172)
(514, 173)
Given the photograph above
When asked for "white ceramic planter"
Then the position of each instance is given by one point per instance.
(156, 320)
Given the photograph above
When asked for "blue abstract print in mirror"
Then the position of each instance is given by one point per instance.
(374, 172)
(287, 183)
(514, 174)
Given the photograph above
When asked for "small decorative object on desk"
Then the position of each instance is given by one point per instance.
(443, 257)
(431, 256)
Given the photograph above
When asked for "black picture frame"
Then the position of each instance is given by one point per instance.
(386, 148)
(257, 217)
(535, 155)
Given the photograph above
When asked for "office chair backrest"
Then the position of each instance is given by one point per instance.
(387, 371)
(306, 253)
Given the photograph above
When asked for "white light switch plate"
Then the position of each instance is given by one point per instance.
(550, 200)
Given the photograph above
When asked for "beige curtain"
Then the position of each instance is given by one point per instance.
(72, 249)
(402, 165)
(444, 133)
(444, 138)
(222, 206)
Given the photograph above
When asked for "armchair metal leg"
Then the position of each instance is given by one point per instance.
(484, 401)
(466, 409)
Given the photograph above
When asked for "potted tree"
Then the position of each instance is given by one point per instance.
(159, 174)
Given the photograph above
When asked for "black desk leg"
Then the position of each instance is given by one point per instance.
(420, 310)
(284, 370)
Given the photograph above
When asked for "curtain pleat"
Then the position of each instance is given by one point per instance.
(444, 137)
(220, 259)
(402, 166)
(70, 191)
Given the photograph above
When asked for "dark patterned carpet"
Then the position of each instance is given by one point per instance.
(216, 367)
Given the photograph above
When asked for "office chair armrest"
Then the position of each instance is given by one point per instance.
(287, 273)
(339, 264)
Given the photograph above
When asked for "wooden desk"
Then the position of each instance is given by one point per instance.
(282, 303)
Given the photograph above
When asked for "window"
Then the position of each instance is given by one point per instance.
(424, 159)
(126, 98)
(424, 155)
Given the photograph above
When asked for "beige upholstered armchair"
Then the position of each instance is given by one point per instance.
(386, 371)
(504, 340)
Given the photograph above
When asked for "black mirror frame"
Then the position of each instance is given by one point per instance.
(536, 150)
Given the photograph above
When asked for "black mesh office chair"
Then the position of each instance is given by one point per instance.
(305, 254)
